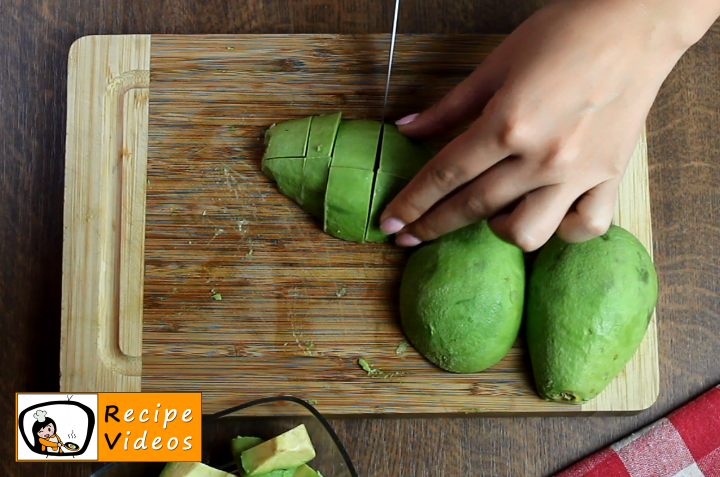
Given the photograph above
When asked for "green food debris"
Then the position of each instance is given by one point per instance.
(215, 295)
(402, 347)
(341, 292)
(312, 401)
(375, 372)
(230, 48)
(366, 367)
(249, 254)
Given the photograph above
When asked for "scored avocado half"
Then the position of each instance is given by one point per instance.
(343, 172)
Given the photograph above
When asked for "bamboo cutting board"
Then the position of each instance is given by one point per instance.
(186, 270)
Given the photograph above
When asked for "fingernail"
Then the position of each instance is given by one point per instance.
(407, 240)
(391, 225)
(407, 119)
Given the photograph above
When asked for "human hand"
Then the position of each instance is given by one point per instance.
(558, 108)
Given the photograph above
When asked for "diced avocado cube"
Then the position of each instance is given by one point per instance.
(400, 155)
(191, 469)
(280, 473)
(288, 173)
(306, 471)
(287, 139)
(386, 188)
(357, 144)
(315, 178)
(323, 131)
(347, 203)
(289, 450)
(241, 444)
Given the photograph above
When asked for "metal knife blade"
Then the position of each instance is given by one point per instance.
(390, 59)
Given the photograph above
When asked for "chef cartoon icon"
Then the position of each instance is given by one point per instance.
(45, 432)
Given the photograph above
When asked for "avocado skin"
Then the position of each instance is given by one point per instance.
(461, 299)
(588, 308)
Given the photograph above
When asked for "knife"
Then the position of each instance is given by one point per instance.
(390, 59)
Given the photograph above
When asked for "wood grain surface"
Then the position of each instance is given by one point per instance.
(105, 181)
(299, 308)
(683, 141)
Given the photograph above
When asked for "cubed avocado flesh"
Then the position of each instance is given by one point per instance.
(280, 473)
(350, 171)
(287, 139)
(400, 155)
(289, 450)
(191, 469)
(288, 173)
(306, 471)
(323, 131)
(315, 177)
(357, 144)
(386, 188)
(241, 444)
(347, 203)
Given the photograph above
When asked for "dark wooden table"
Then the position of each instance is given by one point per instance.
(684, 142)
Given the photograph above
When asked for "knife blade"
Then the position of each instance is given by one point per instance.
(390, 59)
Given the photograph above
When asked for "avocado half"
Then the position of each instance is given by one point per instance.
(344, 172)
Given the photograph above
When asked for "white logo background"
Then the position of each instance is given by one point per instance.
(71, 421)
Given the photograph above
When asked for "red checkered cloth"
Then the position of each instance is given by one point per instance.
(684, 444)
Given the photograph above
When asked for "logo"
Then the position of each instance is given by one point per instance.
(57, 427)
(109, 427)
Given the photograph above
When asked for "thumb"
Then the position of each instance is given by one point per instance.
(460, 106)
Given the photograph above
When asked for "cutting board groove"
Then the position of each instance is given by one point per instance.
(298, 308)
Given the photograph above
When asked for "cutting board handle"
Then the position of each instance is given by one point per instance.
(104, 213)
(125, 173)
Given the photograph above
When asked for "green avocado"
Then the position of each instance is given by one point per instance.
(288, 173)
(357, 144)
(347, 203)
(588, 308)
(322, 134)
(306, 471)
(287, 139)
(191, 469)
(343, 172)
(241, 444)
(386, 188)
(314, 182)
(461, 298)
(401, 156)
(284, 452)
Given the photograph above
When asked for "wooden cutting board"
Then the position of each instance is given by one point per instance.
(186, 270)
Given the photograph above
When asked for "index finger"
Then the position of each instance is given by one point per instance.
(465, 158)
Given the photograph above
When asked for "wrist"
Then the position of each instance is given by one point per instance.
(681, 23)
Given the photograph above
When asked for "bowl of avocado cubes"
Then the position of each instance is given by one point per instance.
(281, 436)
